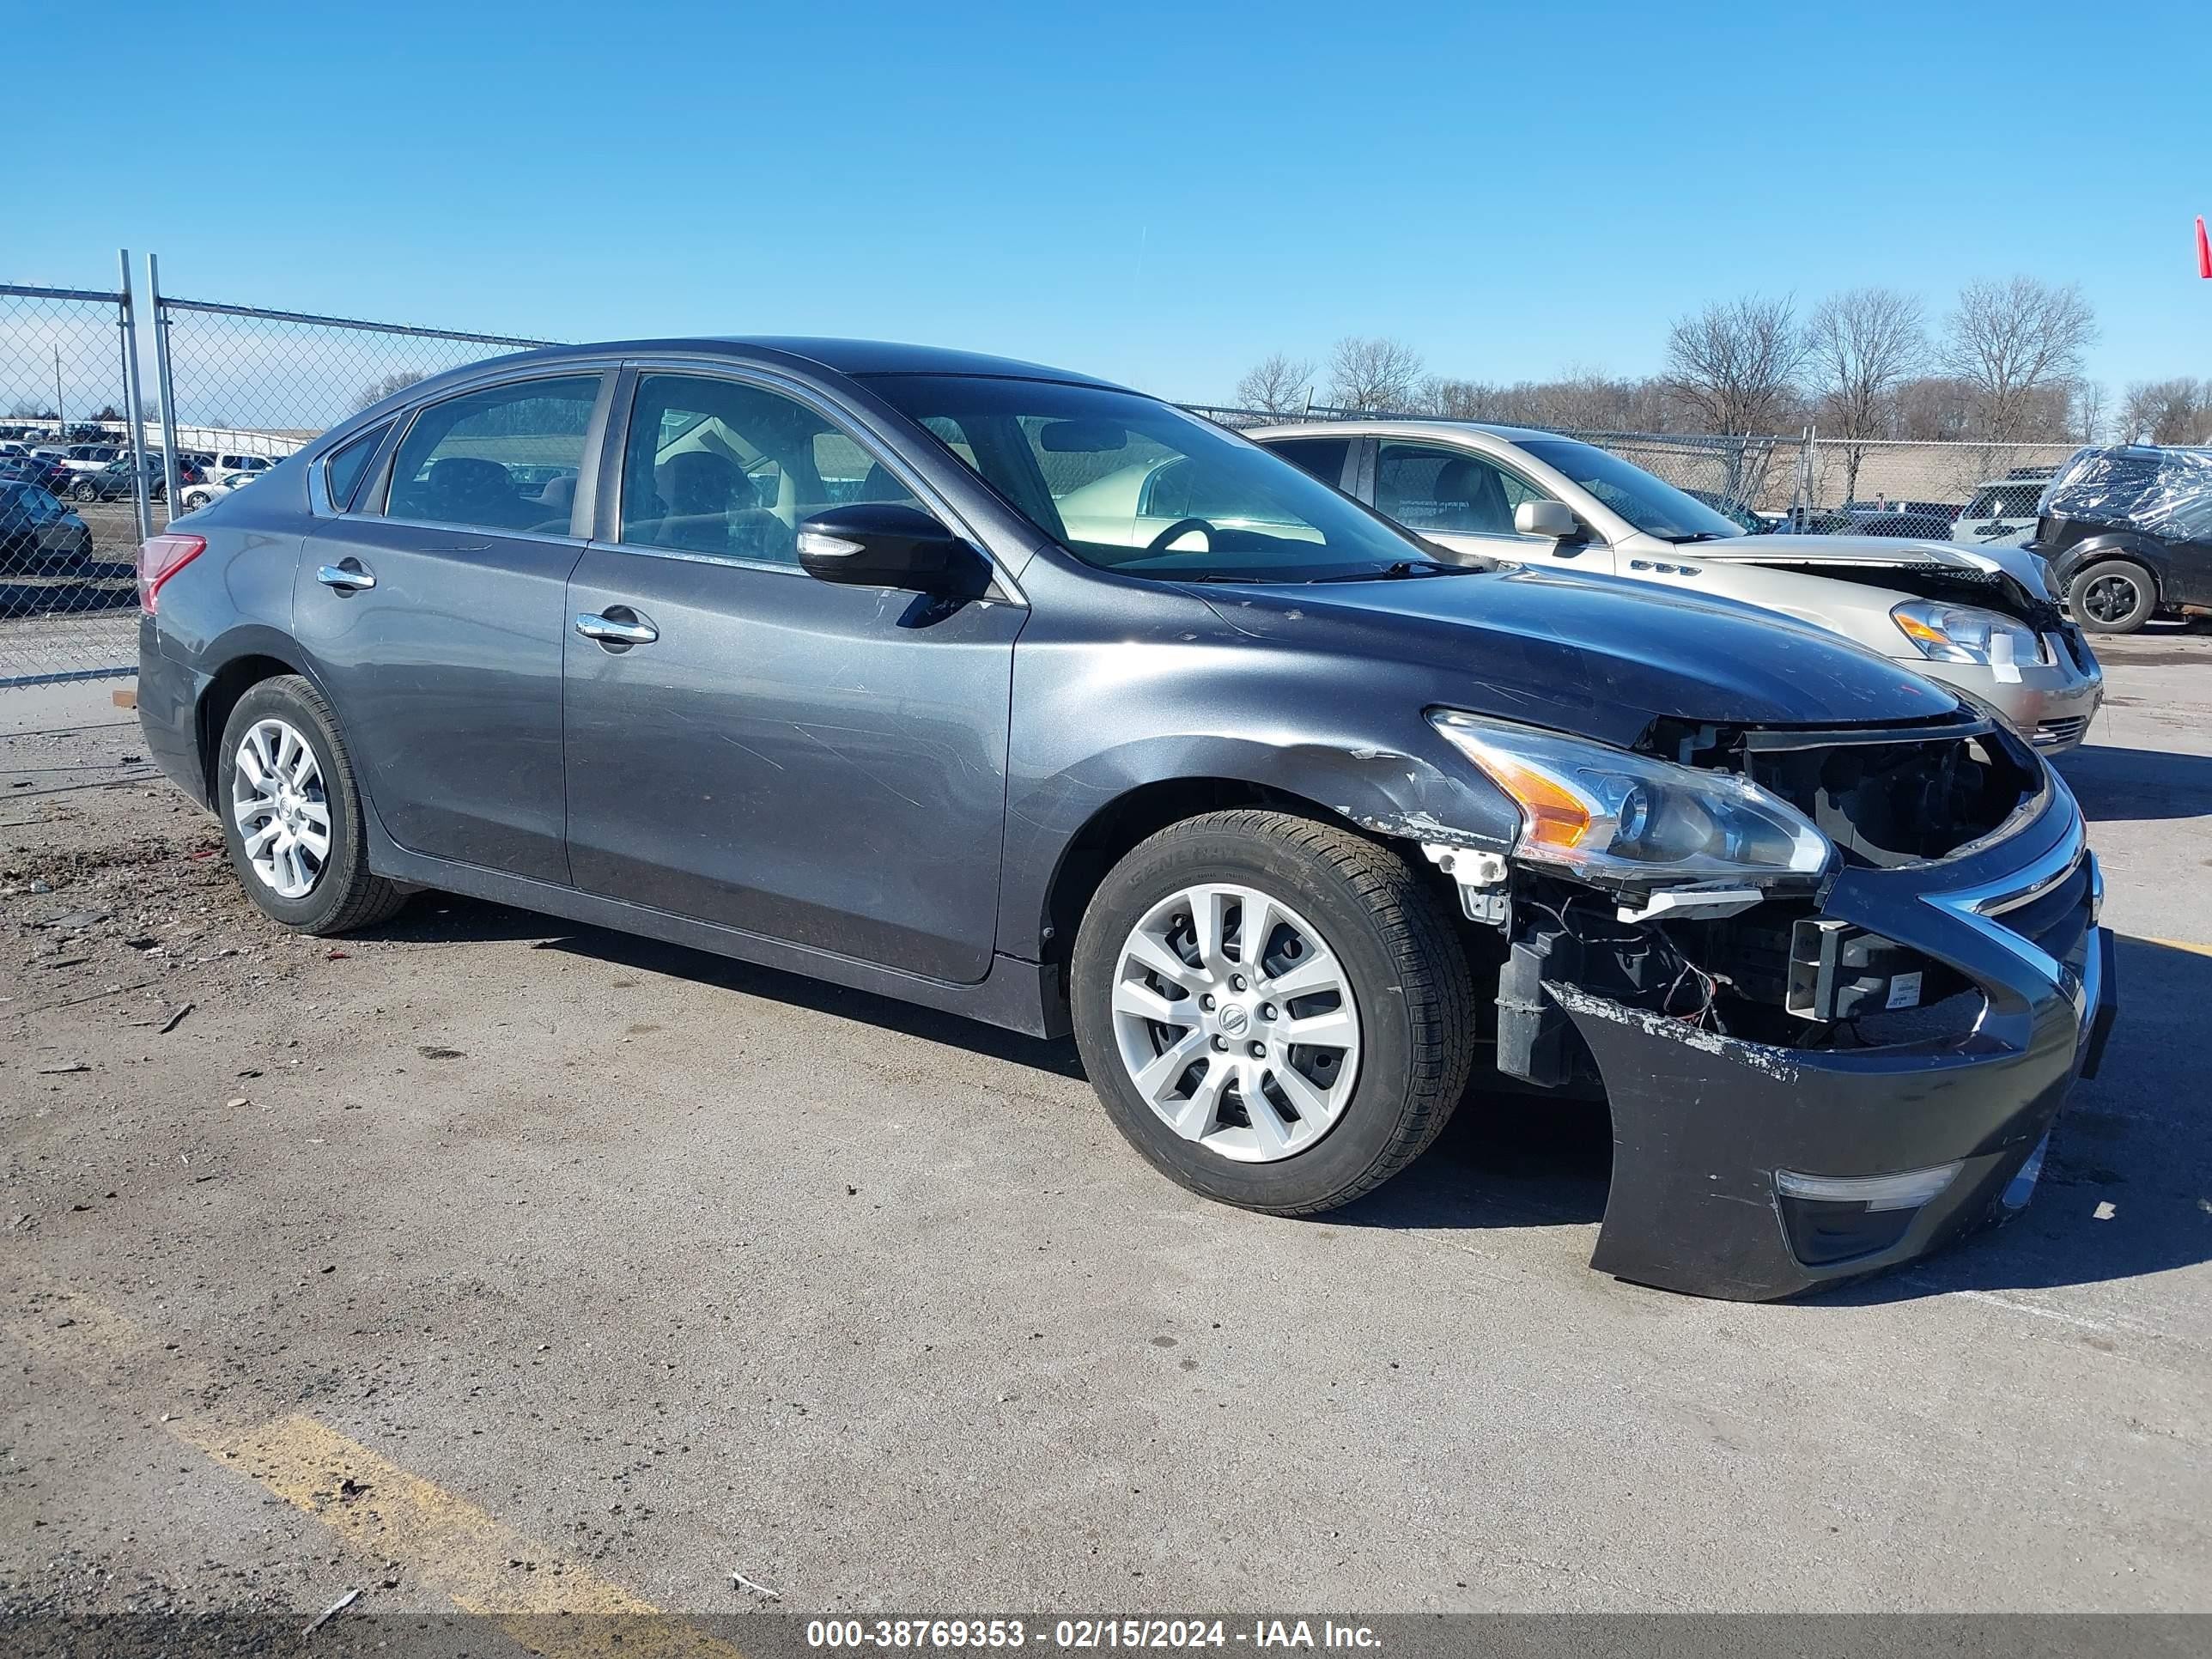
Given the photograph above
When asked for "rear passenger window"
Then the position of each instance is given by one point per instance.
(342, 471)
(506, 458)
(720, 467)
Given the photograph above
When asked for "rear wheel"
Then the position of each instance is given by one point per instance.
(2117, 596)
(292, 815)
(1275, 1011)
(85, 492)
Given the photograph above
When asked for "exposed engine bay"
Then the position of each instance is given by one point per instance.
(1763, 965)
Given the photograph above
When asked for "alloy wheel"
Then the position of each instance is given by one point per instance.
(2109, 598)
(281, 808)
(1236, 1022)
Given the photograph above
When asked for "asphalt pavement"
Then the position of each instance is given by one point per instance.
(484, 1260)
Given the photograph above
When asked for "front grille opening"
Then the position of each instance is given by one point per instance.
(1902, 802)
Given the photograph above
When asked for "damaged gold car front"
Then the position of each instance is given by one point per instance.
(1835, 985)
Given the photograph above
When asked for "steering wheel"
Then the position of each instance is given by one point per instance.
(1180, 527)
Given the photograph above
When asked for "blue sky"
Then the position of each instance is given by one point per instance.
(1161, 194)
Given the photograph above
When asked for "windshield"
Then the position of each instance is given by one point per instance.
(1655, 507)
(1134, 485)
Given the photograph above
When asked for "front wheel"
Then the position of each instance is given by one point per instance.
(2117, 596)
(292, 815)
(1275, 1011)
(84, 492)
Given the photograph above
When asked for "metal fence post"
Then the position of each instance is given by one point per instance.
(162, 381)
(134, 406)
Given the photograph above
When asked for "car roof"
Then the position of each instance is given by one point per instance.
(1395, 426)
(839, 356)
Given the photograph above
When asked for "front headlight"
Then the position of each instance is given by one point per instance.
(1603, 812)
(1964, 633)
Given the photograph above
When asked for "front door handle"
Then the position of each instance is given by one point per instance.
(630, 630)
(346, 574)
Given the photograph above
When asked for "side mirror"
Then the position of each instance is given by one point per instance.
(1554, 519)
(878, 544)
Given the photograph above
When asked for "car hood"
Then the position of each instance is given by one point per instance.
(1602, 656)
(1864, 552)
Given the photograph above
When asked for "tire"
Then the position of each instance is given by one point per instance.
(84, 492)
(341, 894)
(195, 500)
(2121, 589)
(1392, 942)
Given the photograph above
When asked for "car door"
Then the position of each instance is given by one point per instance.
(806, 761)
(435, 614)
(1463, 500)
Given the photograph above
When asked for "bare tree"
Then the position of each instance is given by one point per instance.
(1373, 374)
(1734, 364)
(1277, 383)
(2175, 411)
(1458, 400)
(2012, 343)
(385, 385)
(2088, 412)
(1862, 345)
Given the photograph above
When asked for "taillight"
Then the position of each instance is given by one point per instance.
(160, 558)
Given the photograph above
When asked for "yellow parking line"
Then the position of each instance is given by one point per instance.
(443, 1542)
(2182, 944)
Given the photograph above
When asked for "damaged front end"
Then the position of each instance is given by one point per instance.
(1834, 984)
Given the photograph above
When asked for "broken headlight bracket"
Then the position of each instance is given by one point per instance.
(1480, 877)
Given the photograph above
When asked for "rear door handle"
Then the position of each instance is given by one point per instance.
(616, 630)
(346, 574)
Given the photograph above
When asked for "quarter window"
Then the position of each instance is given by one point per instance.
(504, 459)
(720, 467)
(1429, 489)
(342, 471)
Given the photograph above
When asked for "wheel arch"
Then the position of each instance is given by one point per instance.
(1142, 810)
(254, 662)
(2118, 544)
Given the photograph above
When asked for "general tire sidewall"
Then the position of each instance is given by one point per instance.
(280, 700)
(1369, 1124)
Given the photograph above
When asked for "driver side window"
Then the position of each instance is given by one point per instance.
(1432, 488)
(726, 469)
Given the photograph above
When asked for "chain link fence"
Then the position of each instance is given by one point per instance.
(241, 383)
(69, 495)
(239, 388)
(235, 389)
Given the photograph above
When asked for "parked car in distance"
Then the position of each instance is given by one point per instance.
(47, 473)
(2128, 530)
(39, 536)
(1083, 713)
(194, 496)
(114, 482)
(89, 457)
(2001, 513)
(1987, 622)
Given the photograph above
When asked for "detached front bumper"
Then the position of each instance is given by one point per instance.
(2048, 703)
(1750, 1171)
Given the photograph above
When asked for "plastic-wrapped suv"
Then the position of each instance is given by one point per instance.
(2128, 530)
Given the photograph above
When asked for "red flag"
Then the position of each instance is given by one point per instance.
(2203, 249)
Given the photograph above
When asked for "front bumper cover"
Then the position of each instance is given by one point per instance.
(1702, 1122)
(2051, 704)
